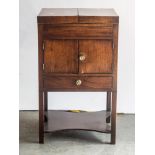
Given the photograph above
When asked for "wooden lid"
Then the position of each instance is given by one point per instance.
(73, 15)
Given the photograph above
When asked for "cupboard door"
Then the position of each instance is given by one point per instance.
(61, 56)
(95, 56)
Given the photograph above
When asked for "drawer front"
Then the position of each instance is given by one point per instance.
(77, 31)
(78, 83)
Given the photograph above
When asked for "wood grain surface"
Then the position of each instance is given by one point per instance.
(98, 55)
(78, 31)
(61, 56)
(70, 82)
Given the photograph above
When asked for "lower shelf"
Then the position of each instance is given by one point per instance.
(63, 120)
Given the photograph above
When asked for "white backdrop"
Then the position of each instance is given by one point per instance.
(29, 10)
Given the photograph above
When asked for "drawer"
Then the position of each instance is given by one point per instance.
(78, 82)
(77, 31)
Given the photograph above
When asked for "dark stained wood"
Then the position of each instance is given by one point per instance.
(113, 118)
(45, 100)
(41, 108)
(78, 89)
(86, 82)
(83, 15)
(115, 51)
(105, 20)
(98, 56)
(41, 118)
(50, 37)
(78, 25)
(77, 75)
(114, 93)
(69, 19)
(63, 120)
(77, 51)
(78, 31)
(60, 56)
(108, 106)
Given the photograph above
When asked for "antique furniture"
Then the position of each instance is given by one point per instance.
(77, 51)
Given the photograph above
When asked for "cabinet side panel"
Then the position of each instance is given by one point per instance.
(115, 51)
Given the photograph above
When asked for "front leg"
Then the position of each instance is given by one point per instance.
(113, 118)
(41, 118)
(108, 106)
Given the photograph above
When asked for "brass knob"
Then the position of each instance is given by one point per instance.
(82, 57)
(78, 82)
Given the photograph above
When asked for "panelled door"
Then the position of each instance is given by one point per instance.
(61, 56)
(95, 56)
(73, 56)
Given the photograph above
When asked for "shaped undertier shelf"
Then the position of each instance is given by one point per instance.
(64, 120)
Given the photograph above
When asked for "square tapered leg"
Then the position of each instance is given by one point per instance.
(113, 118)
(108, 106)
(41, 118)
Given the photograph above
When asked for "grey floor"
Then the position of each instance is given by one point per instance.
(75, 142)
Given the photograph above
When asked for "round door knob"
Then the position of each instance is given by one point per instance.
(78, 82)
(82, 57)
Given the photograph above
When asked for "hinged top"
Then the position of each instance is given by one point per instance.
(58, 12)
(73, 15)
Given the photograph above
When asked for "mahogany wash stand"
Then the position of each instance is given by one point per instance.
(77, 51)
